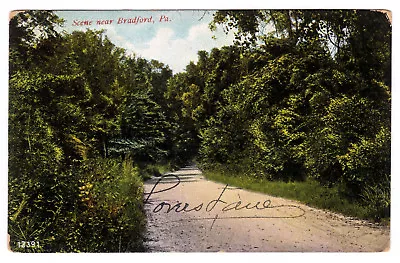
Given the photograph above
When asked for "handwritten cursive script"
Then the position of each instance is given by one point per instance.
(218, 204)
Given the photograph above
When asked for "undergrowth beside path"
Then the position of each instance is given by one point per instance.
(309, 192)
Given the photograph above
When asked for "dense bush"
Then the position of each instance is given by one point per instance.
(305, 104)
(94, 207)
(70, 96)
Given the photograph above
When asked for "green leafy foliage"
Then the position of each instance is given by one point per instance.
(64, 111)
(96, 207)
(143, 126)
(314, 101)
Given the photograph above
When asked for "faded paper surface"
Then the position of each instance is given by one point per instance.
(95, 113)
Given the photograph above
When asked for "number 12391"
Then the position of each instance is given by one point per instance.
(24, 244)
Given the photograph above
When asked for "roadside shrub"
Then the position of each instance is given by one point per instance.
(96, 206)
(111, 205)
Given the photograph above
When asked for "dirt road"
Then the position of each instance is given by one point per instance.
(187, 213)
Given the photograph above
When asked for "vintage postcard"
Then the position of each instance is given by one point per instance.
(199, 130)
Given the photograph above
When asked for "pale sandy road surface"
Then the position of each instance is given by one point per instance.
(286, 226)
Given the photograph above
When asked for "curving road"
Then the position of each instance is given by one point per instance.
(188, 213)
